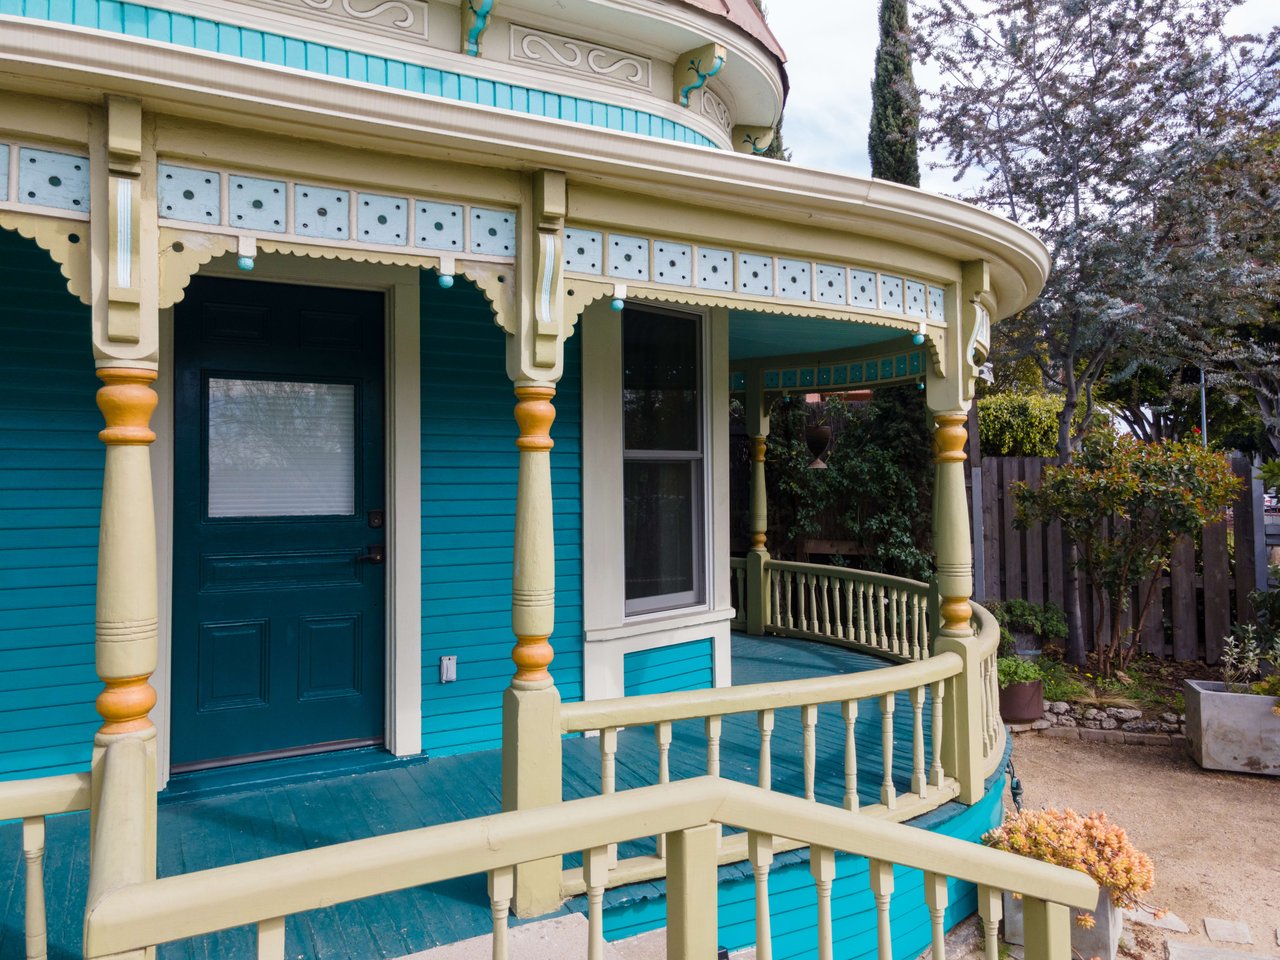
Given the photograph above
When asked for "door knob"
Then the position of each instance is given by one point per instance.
(376, 554)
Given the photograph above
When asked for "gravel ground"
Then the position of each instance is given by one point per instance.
(1214, 837)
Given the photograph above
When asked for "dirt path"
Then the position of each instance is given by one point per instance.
(1214, 838)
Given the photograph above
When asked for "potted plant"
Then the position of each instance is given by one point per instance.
(1234, 723)
(1092, 845)
(1021, 689)
(1031, 626)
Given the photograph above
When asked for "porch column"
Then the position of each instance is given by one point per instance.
(757, 580)
(531, 759)
(954, 582)
(125, 647)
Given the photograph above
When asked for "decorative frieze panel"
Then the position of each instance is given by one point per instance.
(840, 376)
(595, 253)
(333, 213)
(406, 19)
(581, 57)
(48, 178)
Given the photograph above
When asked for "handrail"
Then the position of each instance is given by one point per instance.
(31, 801)
(44, 796)
(887, 615)
(695, 704)
(987, 648)
(157, 911)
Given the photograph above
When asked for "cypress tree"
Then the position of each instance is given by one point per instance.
(895, 102)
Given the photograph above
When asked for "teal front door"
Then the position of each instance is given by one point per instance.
(278, 568)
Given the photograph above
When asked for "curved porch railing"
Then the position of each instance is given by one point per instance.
(987, 648)
(126, 919)
(924, 684)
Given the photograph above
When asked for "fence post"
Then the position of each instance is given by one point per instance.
(1046, 930)
(692, 912)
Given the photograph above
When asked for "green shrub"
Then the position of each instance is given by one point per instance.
(1019, 425)
(1011, 670)
(1048, 622)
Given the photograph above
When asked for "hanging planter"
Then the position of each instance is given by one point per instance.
(818, 437)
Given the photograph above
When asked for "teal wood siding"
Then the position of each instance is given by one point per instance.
(469, 464)
(793, 899)
(681, 666)
(215, 36)
(50, 494)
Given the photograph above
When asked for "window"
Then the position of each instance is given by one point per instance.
(663, 477)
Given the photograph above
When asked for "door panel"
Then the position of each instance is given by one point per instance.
(279, 620)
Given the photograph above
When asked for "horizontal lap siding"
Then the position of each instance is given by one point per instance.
(793, 901)
(469, 465)
(50, 491)
(681, 666)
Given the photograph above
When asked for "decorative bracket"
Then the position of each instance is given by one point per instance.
(182, 254)
(752, 139)
(124, 203)
(550, 202)
(975, 320)
(66, 241)
(475, 21)
(695, 67)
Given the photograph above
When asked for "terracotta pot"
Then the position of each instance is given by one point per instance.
(1022, 702)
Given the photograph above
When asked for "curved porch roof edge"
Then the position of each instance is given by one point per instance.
(277, 100)
(746, 16)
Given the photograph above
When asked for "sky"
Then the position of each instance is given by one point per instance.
(830, 47)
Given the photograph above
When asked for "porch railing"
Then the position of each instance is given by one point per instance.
(884, 614)
(924, 683)
(124, 921)
(987, 648)
(31, 801)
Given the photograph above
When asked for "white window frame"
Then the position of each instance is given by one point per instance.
(697, 597)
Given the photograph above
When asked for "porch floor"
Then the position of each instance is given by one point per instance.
(222, 824)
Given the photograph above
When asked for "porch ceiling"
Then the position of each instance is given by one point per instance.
(755, 335)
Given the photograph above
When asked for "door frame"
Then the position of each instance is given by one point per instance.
(403, 453)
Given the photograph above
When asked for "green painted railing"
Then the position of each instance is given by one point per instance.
(124, 921)
(991, 726)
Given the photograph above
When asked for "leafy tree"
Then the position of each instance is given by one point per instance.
(1018, 424)
(1126, 503)
(877, 487)
(1075, 118)
(895, 102)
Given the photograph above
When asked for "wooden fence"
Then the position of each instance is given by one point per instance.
(1205, 590)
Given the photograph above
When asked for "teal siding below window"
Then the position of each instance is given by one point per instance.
(469, 464)
(50, 492)
(793, 901)
(136, 20)
(681, 666)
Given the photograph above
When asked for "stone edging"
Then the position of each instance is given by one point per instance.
(1105, 736)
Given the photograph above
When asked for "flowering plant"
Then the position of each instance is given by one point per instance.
(1091, 844)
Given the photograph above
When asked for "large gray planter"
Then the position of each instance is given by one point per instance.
(1102, 940)
(1232, 731)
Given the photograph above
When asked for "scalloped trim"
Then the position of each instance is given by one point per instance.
(389, 258)
(497, 281)
(53, 235)
(178, 266)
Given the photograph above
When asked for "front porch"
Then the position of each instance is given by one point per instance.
(206, 821)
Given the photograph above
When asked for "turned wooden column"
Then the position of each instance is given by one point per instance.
(531, 757)
(962, 727)
(757, 578)
(125, 645)
(533, 575)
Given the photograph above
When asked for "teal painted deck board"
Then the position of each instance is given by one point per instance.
(257, 821)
